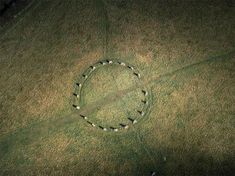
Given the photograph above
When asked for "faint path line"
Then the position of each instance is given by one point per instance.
(70, 117)
(143, 145)
(20, 19)
(105, 29)
(105, 100)
(224, 56)
(123, 102)
(106, 21)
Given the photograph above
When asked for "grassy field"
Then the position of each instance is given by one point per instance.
(185, 52)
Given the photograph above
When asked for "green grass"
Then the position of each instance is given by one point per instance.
(183, 49)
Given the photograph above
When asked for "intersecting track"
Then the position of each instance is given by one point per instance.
(131, 119)
(35, 130)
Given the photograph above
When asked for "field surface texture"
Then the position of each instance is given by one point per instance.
(165, 104)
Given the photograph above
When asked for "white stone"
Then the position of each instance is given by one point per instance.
(123, 64)
(115, 130)
(77, 107)
(134, 121)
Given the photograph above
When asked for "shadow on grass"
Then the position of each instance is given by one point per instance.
(193, 162)
(168, 162)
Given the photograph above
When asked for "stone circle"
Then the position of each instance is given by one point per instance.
(77, 94)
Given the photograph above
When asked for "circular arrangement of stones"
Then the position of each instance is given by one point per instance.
(131, 120)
